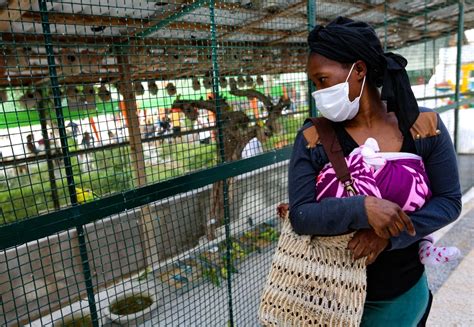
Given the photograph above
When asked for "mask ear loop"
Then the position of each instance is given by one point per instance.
(348, 75)
(363, 82)
(362, 88)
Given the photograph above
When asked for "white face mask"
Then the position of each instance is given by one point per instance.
(334, 103)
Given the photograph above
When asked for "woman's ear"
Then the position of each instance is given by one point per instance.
(361, 69)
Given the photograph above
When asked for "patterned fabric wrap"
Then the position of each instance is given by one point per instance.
(399, 177)
(313, 281)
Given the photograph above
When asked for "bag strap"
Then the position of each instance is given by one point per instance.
(333, 149)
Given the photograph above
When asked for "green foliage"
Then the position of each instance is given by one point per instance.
(143, 275)
(212, 274)
(191, 156)
(30, 195)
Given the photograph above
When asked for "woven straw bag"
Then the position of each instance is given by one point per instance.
(313, 281)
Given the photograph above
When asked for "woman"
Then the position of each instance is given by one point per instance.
(347, 65)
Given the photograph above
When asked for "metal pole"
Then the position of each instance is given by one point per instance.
(458, 71)
(311, 10)
(425, 31)
(67, 160)
(434, 72)
(385, 26)
(220, 137)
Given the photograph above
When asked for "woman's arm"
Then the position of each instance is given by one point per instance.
(331, 216)
(445, 205)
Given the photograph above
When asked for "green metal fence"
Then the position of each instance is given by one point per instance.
(144, 147)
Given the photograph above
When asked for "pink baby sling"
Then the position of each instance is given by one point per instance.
(396, 176)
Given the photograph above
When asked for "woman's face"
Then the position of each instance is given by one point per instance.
(325, 73)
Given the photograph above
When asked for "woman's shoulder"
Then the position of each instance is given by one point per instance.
(310, 134)
(426, 125)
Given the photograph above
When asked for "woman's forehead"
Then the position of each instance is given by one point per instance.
(317, 62)
(320, 59)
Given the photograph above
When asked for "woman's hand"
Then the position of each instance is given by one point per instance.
(366, 243)
(282, 210)
(387, 218)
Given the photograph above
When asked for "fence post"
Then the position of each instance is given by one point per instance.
(385, 27)
(220, 139)
(434, 72)
(311, 11)
(67, 160)
(425, 33)
(458, 72)
(147, 232)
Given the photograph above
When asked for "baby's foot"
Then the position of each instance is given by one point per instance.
(431, 255)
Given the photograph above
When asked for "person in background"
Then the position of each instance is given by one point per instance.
(74, 129)
(113, 139)
(31, 144)
(202, 123)
(87, 140)
(255, 145)
(252, 148)
(149, 128)
(176, 121)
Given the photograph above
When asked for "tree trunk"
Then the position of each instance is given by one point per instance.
(47, 148)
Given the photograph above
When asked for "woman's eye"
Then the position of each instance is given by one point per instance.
(322, 79)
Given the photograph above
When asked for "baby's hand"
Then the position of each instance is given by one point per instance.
(282, 210)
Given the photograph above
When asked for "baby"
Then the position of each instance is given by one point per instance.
(375, 173)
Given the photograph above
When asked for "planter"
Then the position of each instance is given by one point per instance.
(77, 319)
(131, 308)
(75, 315)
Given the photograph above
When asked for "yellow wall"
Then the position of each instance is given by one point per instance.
(465, 73)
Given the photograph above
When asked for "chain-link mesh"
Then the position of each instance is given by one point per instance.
(144, 147)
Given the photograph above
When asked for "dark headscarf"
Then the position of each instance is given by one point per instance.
(347, 41)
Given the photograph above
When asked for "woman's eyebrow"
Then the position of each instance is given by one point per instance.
(318, 74)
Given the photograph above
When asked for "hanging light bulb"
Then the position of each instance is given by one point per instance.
(3, 96)
(223, 82)
(232, 83)
(170, 89)
(30, 99)
(104, 94)
(207, 82)
(249, 81)
(196, 84)
(138, 88)
(240, 81)
(152, 88)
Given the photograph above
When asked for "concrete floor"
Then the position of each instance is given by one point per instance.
(466, 171)
(452, 284)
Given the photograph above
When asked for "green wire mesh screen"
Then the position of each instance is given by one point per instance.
(144, 148)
